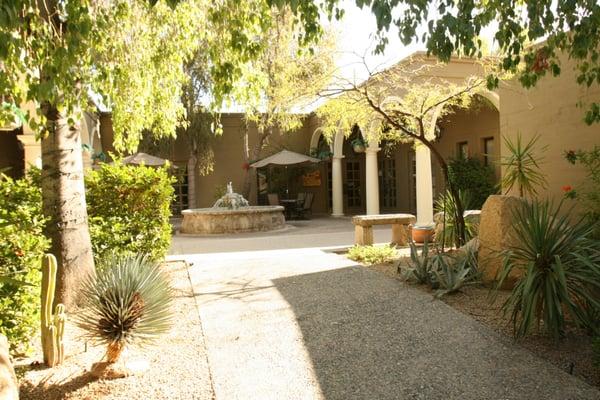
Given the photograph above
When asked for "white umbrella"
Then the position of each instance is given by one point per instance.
(145, 159)
(285, 157)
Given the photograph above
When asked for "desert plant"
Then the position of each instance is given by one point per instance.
(559, 266)
(471, 176)
(21, 248)
(419, 268)
(522, 166)
(454, 271)
(127, 302)
(372, 254)
(53, 324)
(129, 209)
(589, 193)
(445, 203)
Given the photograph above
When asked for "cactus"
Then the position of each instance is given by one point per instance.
(53, 325)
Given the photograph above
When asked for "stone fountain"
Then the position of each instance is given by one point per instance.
(232, 214)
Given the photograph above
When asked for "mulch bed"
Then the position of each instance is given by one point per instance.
(178, 364)
(572, 354)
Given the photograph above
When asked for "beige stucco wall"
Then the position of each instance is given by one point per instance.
(229, 160)
(550, 109)
(471, 126)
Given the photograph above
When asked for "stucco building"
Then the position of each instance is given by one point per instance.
(382, 179)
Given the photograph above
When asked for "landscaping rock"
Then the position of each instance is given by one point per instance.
(9, 389)
(495, 235)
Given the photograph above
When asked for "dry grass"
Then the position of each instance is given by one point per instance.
(178, 364)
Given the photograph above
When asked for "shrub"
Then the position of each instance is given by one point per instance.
(21, 249)
(471, 176)
(419, 269)
(590, 194)
(127, 303)
(446, 272)
(452, 272)
(522, 166)
(372, 254)
(445, 203)
(129, 210)
(560, 268)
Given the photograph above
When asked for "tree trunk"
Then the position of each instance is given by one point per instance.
(63, 197)
(459, 218)
(252, 156)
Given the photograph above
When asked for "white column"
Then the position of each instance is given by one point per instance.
(424, 185)
(372, 178)
(337, 195)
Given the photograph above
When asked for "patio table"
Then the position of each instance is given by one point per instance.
(290, 206)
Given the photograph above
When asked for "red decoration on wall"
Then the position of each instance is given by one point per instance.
(245, 166)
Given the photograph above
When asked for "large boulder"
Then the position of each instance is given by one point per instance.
(496, 235)
(9, 389)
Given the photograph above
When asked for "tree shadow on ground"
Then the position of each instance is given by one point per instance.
(48, 390)
(372, 337)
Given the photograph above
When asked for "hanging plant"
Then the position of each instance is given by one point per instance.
(358, 145)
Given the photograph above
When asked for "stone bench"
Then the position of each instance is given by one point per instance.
(363, 227)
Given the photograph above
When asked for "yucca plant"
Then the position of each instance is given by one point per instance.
(445, 203)
(126, 303)
(522, 166)
(560, 267)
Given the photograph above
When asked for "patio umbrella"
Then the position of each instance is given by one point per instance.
(145, 159)
(285, 157)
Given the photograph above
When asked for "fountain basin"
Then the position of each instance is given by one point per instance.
(221, 220)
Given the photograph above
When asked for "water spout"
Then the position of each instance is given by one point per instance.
(231, 200)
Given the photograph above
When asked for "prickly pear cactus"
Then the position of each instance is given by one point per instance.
(53, 325)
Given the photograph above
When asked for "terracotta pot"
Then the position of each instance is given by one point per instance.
(422, 234)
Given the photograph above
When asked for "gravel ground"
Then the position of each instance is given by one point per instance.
(178, 365)
(573, 354)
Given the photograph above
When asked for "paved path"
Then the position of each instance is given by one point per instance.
(304, 324)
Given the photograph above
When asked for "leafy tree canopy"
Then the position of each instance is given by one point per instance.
(448, 27)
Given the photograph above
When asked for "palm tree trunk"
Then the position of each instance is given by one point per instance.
(63, 197)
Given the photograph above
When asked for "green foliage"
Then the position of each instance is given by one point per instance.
(451, 27)
(419, 269)
(471, 176)
(129, 209)
(560, 267)
(522, 166)
(445, 272)
(21, 248)
(372, 254)
(596, 350)
(127, 303)
(446, 203)
(590, 192)
(453, 271)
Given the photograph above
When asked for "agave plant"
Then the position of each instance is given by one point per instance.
(452, 272)
(419, 267)
(126, 303)
(560, 270)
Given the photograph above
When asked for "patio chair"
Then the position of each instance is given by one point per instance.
(306, 208)
(273, 199)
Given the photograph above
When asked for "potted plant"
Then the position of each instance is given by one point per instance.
(422, 233)
(358, 145)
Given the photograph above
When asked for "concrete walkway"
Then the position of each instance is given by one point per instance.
(304, 324)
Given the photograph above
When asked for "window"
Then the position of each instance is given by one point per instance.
(488, 150)
(462, 149)
(180, 186)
